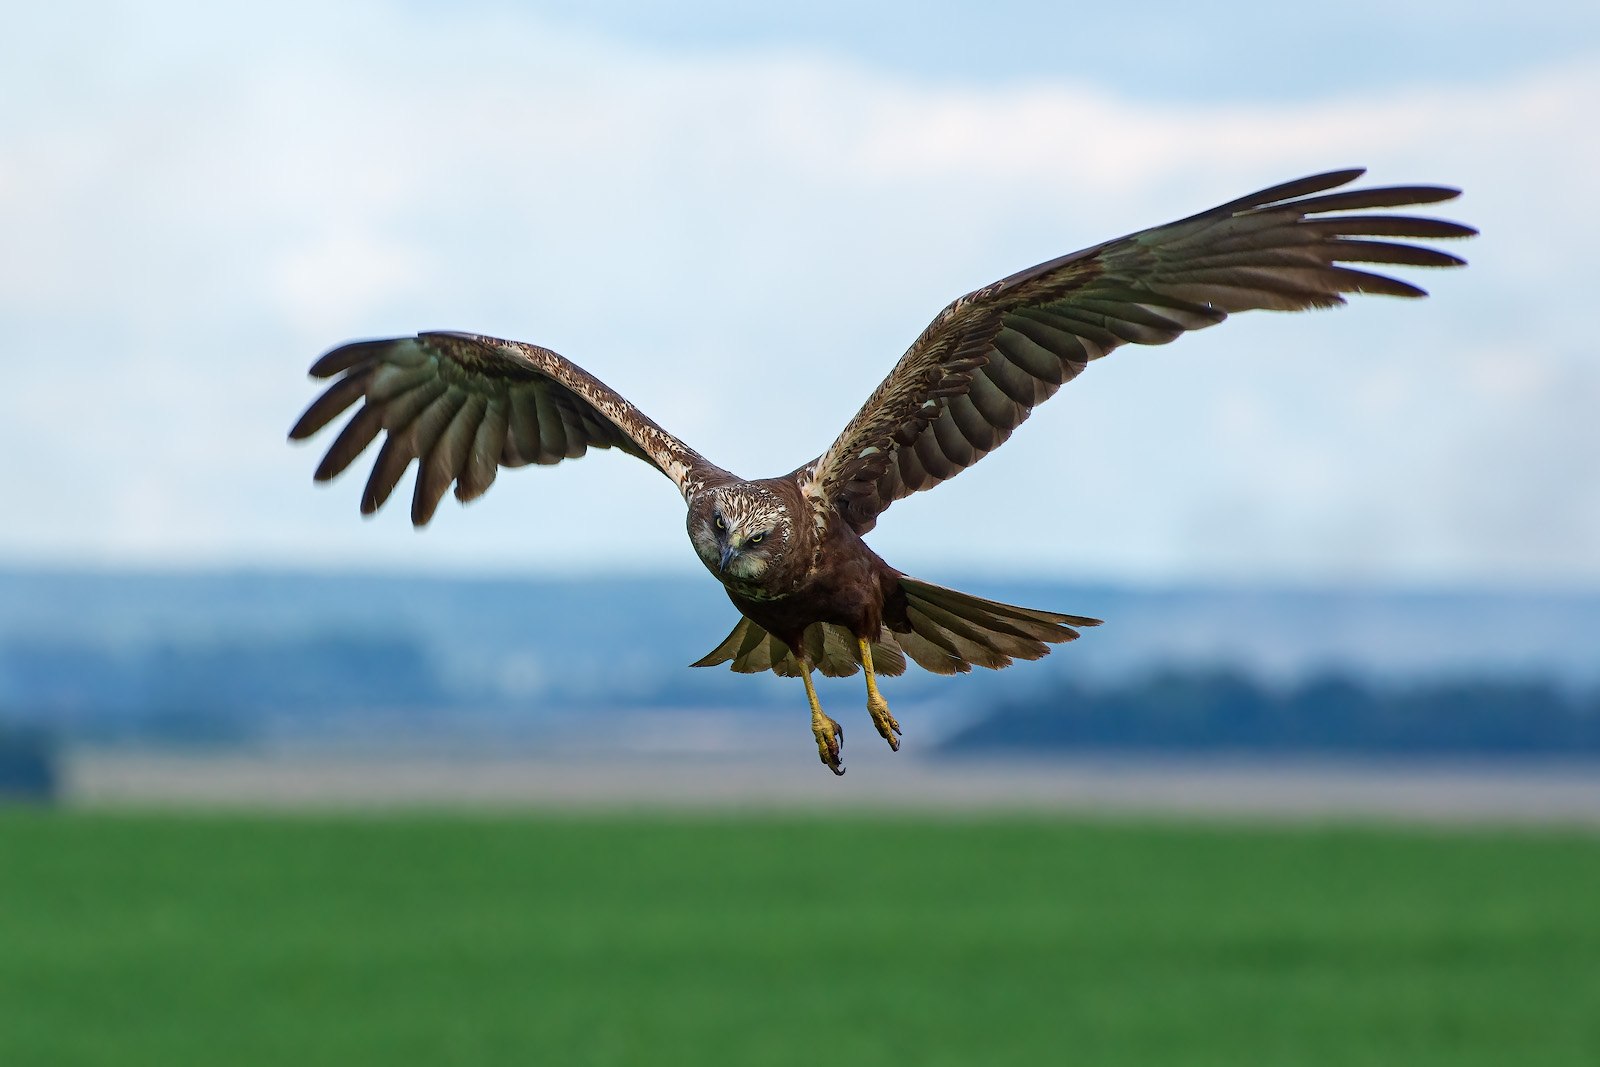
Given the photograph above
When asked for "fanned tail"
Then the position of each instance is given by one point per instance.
(947, 632)
(831, 649)
(941, 630)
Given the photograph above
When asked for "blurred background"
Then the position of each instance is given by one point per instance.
(279, 781)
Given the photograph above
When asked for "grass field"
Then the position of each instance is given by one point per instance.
(714, 940)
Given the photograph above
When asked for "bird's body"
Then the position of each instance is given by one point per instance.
(789, 551)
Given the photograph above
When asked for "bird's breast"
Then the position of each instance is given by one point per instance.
(753, 590)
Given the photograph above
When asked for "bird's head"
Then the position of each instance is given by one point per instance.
(740, 530)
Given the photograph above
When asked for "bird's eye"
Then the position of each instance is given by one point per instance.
(721, 526)
(757, 539)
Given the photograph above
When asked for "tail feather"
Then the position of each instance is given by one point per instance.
(992, 634)
(950, 598)
(995, 636)
(831, 649)
(731, 648)
(965, 644)
(942, 631)
(930, 655)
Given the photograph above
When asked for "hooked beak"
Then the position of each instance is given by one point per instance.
(728, 552)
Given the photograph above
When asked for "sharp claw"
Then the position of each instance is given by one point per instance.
(888, 726)
(833, 761)
(831, 752)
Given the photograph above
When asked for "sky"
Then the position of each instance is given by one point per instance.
(739, 219)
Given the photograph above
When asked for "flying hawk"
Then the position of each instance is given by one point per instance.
(789, 550)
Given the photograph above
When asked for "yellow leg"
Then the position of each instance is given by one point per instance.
(829, 734)
(878, 707)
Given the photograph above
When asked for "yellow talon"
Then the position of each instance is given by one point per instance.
(829, 734)
(878, 707)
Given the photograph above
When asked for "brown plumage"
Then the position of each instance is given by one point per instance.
(810, 593)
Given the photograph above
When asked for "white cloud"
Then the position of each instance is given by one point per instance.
(697, 230)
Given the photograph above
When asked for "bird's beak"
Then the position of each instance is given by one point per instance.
(728, 552)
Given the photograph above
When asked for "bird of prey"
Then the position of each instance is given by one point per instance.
(812, 596)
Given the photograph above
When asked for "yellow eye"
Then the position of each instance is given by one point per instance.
(721, 526)
(757, 539)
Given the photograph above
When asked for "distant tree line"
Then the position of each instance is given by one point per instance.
(1221, 711)
(227, 689)
(207, 690)
(28, 768)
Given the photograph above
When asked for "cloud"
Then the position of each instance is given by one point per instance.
(743, 243)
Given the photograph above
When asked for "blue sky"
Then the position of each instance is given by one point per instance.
(740, 219)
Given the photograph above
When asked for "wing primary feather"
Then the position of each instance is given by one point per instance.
(1386, 226)
(346, 356)
(387, 470)
(1360, 281)
(1354, 251)
(1275, 194)
(415, 439)
(400, 411)
(390, 380)
(363, 427)
(552, 431)
(524, 420)
(327, 407)
(1383, 196)
(484, 462)
(443, 462)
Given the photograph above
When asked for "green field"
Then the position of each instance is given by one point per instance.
(630, 940)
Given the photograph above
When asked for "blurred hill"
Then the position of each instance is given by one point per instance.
(229, 657)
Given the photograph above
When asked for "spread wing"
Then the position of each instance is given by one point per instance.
(464, 406)
(989, 358)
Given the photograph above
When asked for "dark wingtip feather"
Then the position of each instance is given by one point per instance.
(1274, 194)
(346, 356)
(387, 470)
(1388, 226)
(423, 507)
(327, 407)
(304, 426)
(1379, 196)
(1360, 281)
(358, 433)
(1351, 251)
